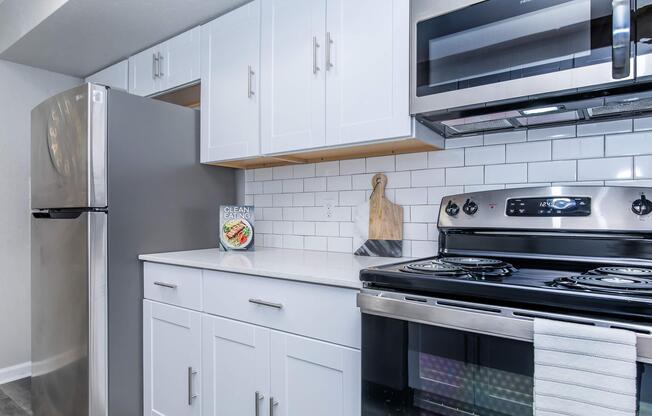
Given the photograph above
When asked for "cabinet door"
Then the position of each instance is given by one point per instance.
(171, 357)
(143, 73)
(180, 60)
(230, 60)
(367, 73)
(311, 377)
(293, 81)
(235, 367)
(115, 76)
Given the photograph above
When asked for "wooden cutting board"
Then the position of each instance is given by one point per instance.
(379, 223)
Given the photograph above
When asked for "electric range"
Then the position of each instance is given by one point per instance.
(452, 334)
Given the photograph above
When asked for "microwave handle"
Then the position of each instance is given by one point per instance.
(621, 37)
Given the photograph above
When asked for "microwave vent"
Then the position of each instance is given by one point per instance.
(481, 126)
(622, 107)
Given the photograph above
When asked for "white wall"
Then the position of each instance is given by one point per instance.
(21, 89)
(290, 200)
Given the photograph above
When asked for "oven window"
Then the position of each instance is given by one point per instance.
(501, 40)
(416, 369)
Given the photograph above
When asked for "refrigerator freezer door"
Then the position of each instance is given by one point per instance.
(69, 149)
(69, 325)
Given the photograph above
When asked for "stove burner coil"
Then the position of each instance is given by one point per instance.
(599, 281)
(463, 267)
(435, 267)
(624, 271)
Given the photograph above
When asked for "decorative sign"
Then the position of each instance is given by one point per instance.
(236, 227)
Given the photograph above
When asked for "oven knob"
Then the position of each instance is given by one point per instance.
(470, 207)
(642, 206)
(452, 209)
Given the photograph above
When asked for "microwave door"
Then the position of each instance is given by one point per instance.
(509, 50)
(68, 156)
(644, 40)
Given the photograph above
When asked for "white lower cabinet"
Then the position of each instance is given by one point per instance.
(172, 360)
(240, 364)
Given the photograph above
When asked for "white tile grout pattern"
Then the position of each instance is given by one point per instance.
(312, 206)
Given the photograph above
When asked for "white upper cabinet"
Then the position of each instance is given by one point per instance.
(165, 66)
(367, 70)
(143, 72)
(292, 78)
(230, 93)
(172, 360)
(180, 63)
(115, 76)
(310, 377)
(235, 367)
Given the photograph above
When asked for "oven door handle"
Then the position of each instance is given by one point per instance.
(621, 38)
(483, 319)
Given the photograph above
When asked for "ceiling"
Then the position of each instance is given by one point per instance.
(84, 36)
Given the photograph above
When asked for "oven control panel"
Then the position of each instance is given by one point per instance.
(559, 206)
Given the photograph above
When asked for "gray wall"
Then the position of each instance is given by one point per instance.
(21, 88)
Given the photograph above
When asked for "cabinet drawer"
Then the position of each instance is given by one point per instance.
(323, 312)
(180, 286)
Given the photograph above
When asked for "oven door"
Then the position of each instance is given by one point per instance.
(449, 358)
(506, 50)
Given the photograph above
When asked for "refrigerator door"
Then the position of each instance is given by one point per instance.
(69, 149)
(69, 322)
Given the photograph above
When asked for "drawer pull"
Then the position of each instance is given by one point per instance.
(168, 285)
(265, 303)
(258, 397)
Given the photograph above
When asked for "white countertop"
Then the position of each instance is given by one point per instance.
(326, 268)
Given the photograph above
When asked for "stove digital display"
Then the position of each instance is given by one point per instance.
(549, 207)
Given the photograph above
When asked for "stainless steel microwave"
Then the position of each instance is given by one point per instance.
(467, 53)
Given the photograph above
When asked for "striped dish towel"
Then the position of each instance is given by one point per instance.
(581, 370)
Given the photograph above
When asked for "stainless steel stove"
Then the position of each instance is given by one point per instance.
(452, 334)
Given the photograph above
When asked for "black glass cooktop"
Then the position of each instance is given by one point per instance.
(603, 289)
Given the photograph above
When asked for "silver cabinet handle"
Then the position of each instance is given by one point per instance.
(258, 398)
(168, 285)
(250, 74)
(621, 36)
(272, 404)
(154, 66)
(160, 65)
(266, 303)
(329, 44)
(315, 45)
(190, 394)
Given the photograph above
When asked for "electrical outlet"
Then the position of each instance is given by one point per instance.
(329, 204)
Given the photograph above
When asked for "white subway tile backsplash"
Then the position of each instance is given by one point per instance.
(293, 185)
(473, 175)
(435, 195)
(529, 152)
(562, 170)
(282, 172)
(311, 206)
(338, 183)
(505, 137)
(411, 196)
(484, 155)
(352, 166)
(628, 144)
(314, 184)
(581, 148)
(380, 164)
(315, 243)
(340, 244)
(412, 161)
(609, 168)
(428, 177)
(303, 171)
(446, 158)
(512, 173)
(464, 142)
(352, 198)
(327, 168)
(551, 133)
(644, 123)
(643, 167)
(605, 127)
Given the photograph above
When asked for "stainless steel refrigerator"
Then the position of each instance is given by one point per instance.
(113, 176)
